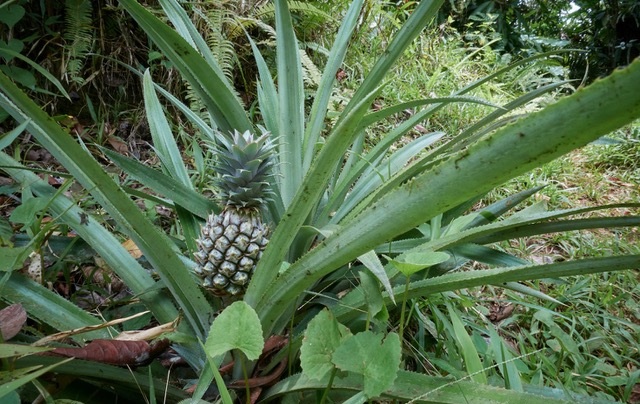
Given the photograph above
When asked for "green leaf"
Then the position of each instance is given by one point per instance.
(373, 264)
(352, 302)
(512, 150)
(504, 360)
(472, 361)
(163, 141)
(10, 350)
(28, 76)
(321, 338)
(422, 388)
(12, 14)
(24, 376)
(237, 327)
(208, 82)
(157, 247)
(322, 97)
(12, 257)
(413, 262)
(8, 138)
(291, 104)
(367, 354)
(134, 384)
(164, 185)
(103, 242)
(372, 293)
(28, 210)
(568, 343)
(49, 307)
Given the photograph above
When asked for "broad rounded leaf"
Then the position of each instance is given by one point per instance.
(367, 354)
(321, 338)
(237, 327)
(411, 263)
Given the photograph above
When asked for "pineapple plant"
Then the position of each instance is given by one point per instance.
(231, 242)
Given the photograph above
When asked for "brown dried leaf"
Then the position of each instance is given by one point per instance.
(12, 318)
(634, 398)
(132, 248)
(118, 145)
(113, 352)
(499, 312)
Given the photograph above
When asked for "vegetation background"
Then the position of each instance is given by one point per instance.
(576, 334)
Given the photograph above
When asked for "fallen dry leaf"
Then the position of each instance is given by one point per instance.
(132, 248)
(12, 318)
(115, 352)
(118, 145)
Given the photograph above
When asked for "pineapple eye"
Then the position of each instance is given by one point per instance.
(242, 241)
(217, 231)
(240, 278)
(246, 228)
(216, 257)
(205, 244)
(222, 244)
(233, 254)
(219, 281)
(201, 256)
(209, 268)
(246, 264)
(253, 250)
(227, 269)
(233, 289)
(207, 282)
(231, 232)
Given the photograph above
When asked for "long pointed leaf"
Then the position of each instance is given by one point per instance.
(323, 95)
(156, 246)
(349, 305)
(164, 185)
(105, 243)
(214, 89)
(530, 142)
(49, 307)
(291, 103)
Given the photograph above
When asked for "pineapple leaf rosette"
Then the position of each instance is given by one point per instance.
(231, 242)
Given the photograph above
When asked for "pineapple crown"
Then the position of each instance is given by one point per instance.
(243, 168)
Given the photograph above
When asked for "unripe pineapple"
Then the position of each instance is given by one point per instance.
(231, 243)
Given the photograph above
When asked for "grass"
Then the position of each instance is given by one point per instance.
(584, 337)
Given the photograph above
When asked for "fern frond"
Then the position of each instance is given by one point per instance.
(268, 10)
(78, 34)
(215, 19)
(312, 73)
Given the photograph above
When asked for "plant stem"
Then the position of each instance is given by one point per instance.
(402, 309)
(326, 390)
(247, 390)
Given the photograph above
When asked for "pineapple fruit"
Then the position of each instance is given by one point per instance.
(231, 243)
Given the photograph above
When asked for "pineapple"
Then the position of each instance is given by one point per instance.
(231, 243)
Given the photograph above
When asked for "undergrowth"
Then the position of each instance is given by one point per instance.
(579, 334)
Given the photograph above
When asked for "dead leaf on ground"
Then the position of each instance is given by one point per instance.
(132, 248)
(115, 352)
(498, 312)
(12, 318)
(634, 398)
(118, 145)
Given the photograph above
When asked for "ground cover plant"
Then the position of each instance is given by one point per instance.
(320, 306)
